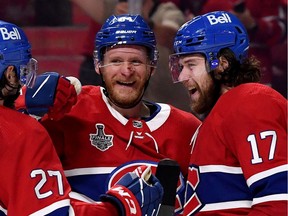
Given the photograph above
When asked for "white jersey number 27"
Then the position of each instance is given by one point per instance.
(43, 179)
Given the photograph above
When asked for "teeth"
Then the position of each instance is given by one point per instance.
(126, 83)
(193, 90)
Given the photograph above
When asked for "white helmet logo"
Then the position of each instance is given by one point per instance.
(220, 19)
(13, 35)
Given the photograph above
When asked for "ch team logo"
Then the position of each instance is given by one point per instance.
(128, 167)
(120, 171)
(100, 140)
(192, 201)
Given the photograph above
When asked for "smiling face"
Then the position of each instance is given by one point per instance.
(125, 70)
(199, 83)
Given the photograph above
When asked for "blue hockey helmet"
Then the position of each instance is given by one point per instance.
(125, 29)
(209, 33)
(16, 50)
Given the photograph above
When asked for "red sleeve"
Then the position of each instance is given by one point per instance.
(256, 132)
(32, 176)
(100, 208)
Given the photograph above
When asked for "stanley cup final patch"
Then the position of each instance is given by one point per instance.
(100, 140)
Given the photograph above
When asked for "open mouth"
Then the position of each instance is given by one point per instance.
(128, 84)
(193, 91)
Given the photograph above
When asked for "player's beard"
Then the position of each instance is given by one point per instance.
(207, 99)
(129, 100)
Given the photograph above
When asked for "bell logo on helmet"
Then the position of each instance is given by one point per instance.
(225, 18)
(13, 35)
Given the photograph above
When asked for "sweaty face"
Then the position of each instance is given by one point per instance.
(125, 70)
(199, 83)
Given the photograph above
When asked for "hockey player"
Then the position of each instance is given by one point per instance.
(111, 130)
(32, 179)
(238, 164)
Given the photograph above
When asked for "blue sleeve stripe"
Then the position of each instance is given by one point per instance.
(227, 205)
(89, 171)
(61, 211)
(225, 187)
(271, 185)
(266, 173)
(220, 168)
(222, 187)
(53, 209)
(83, 184)
(3, 211)
(276, 197)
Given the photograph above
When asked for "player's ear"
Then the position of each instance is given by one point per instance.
(97, 67)
(153, 70)
(96, 62)
(222, 66)
(10, 74)
(223, 63)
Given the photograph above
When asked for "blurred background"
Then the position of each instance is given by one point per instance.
(61, 33)
(55, 28)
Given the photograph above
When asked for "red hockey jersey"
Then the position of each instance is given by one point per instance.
(239, 156)
(32, 180)
(31, 175)
(97, 145)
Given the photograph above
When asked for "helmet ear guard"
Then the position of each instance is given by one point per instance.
(213, 61)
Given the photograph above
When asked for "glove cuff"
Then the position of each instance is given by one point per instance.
(39, 98)
(124, 199)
